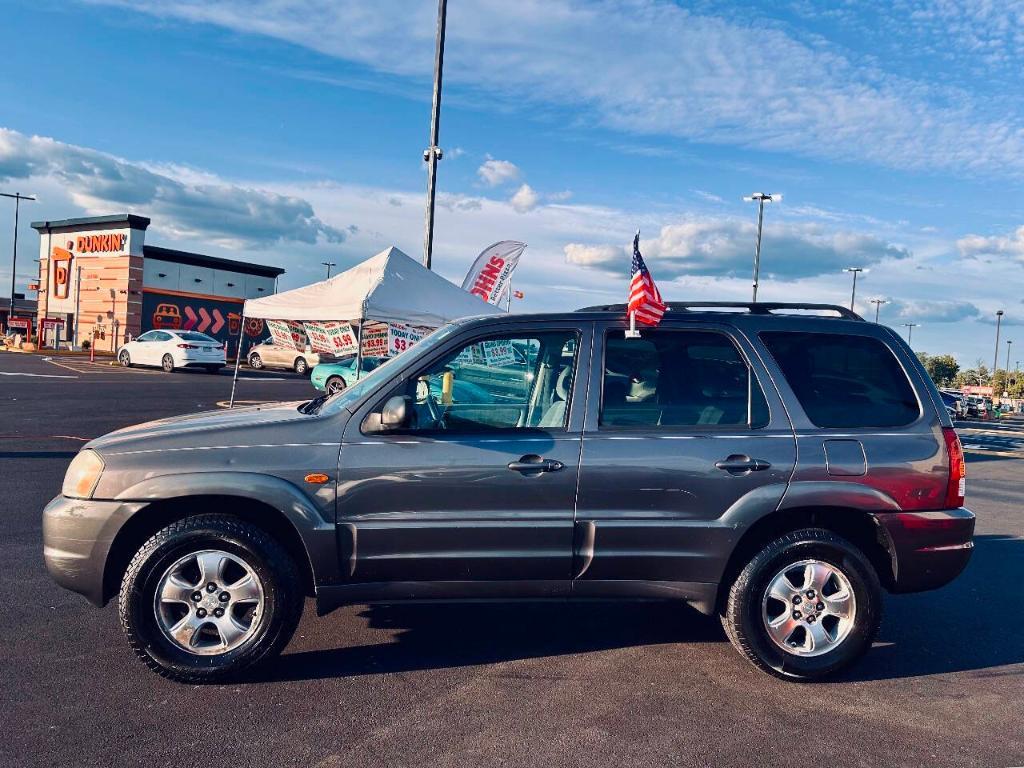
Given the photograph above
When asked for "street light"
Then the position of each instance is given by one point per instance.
(14, 256)
(910, 330)
(328, 264)
(995, 360)
(1009, 343)
(433, 153)
(853, 294)
(878, 305)
(761, 198)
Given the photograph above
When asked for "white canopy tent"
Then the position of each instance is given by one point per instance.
(389, 287)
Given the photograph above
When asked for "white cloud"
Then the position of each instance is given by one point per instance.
(188, 203)
(496, 172)
(525, 199)
(664, 70)
(1011, 245)
(594, 255)
(725, 247)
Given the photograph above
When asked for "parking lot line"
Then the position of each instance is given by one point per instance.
(38, 375)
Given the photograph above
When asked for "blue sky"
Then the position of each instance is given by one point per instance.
(290, 132)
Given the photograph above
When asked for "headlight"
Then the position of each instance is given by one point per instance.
(83, 475)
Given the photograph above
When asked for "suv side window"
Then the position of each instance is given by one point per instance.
(844, 381)
(497, 383)
(678, 378)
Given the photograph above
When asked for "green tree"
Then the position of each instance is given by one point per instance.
(942, 368)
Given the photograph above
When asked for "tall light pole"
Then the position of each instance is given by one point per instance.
(14, 255)
(328, 264)
(433, 153)
(995, 360)
(878, 305)
(1009, 343)
(910, 330)
(856, 271)
(761, 198)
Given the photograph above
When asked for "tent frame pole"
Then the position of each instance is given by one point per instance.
(359, 350)
(238, 359)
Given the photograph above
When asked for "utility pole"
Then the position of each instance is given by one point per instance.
(853, 295)
(14, 256)
(761, 198)
(910, 330)
(1009, 343)
(995, 360)
(433, 153)
(328, 264)
(878, 305)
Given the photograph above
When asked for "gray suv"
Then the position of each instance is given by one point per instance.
(774, 465)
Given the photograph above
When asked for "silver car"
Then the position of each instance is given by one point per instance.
(269, 355)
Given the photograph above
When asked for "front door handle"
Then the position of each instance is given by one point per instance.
(740, 464)
(531, 463)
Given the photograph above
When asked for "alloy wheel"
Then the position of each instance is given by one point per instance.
(208, 602)
(809, 608)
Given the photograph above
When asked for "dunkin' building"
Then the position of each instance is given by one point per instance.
(98, 279)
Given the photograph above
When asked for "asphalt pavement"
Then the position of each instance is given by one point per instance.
(481, 685)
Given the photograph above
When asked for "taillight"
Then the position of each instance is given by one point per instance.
(187, 346)
(957, 484)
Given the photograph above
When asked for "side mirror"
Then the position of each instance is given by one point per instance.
(396, 414)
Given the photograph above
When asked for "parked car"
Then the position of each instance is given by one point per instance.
(171, 349)
(773, 469)
(332, 377)
(955, 403)
(270, 355)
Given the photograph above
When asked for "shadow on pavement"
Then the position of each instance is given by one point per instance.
(975, 623)
(440, 635)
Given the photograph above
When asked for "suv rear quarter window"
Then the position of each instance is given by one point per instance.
(678, 379)
(844, 381)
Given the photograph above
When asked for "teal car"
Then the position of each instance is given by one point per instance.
(334, 377)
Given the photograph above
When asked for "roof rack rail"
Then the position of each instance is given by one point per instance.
(754, 308)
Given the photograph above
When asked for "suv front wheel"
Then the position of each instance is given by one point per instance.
(209, 596)
(806, 606)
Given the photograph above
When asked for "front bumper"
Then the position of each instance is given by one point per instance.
(928, 549)
(77, 534)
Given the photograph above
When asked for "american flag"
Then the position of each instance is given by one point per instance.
(644, 297)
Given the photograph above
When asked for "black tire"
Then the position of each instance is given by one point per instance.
(125, 359)
(283, 597)
(301, 367)
(167, 363)
(745, 626)
(255, 361)
(334, 385)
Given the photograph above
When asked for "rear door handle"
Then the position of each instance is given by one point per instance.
(739, 464)
(532, 463)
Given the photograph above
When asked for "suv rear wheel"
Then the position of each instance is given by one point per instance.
(207, 597)
(806, 606)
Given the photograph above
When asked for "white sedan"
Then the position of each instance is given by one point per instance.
(173, 349)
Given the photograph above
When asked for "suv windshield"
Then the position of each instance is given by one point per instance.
(352, 394)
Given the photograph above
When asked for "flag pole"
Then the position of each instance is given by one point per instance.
(633, 333)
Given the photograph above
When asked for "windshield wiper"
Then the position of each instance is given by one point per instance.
(314, 405)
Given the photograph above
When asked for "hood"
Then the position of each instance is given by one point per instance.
(208, 427)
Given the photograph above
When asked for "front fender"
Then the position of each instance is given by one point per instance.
(317, 533)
